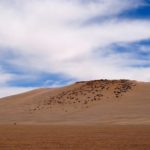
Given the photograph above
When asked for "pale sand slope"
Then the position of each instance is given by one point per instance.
(89, 102)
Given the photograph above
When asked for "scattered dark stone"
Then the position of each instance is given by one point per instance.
(96, 88)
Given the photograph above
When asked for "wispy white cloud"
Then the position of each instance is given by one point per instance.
(5, 77)
(61, 37)
(5, 89)
(8, 91)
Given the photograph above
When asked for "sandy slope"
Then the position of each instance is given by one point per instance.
(89, 102)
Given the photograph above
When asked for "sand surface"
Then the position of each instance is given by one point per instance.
(89, 115)
(35, 137)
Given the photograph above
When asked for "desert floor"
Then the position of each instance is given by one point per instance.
(68, 137)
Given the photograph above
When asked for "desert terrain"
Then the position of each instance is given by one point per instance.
(60, 137)
(94, 115)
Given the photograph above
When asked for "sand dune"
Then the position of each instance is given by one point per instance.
(87, 102)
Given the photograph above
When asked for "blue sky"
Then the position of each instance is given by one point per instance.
(54, 43)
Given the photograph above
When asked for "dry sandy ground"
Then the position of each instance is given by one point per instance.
(34, 137)
(91, 115)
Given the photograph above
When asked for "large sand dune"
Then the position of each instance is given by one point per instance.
(88, 102)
